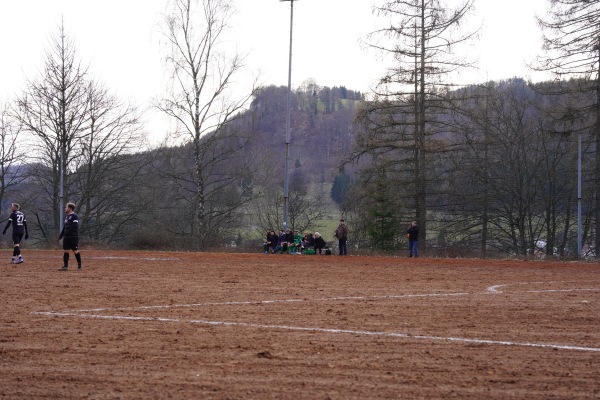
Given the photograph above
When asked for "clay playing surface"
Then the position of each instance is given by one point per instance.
(176, 325)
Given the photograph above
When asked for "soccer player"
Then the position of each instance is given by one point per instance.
(70, 236)
(17, 219)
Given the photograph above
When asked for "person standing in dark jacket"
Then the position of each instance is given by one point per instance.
(341, 233)
(413, 239)
(19, 224)
(70, 236)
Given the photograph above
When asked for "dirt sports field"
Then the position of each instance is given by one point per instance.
(149, 325)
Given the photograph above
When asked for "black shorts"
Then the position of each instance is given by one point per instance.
(70, 243)
(17, 237)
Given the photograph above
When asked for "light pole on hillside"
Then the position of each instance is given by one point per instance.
(288, 124)
(579, 196)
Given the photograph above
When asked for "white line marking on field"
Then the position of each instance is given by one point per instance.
(564, 290)
(259, 302)
(133, 258)
(496, 288)
(331, 330)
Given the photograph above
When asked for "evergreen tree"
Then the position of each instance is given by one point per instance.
(340, 187)
(383, 226)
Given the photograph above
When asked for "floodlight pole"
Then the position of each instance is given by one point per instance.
(579, 195)
(61, 183)
(288, 124)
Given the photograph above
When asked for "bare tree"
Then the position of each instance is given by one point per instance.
(201, 101)
(105, 172)
(421, 36)
(12, 153)
(84, 141)
(572, 45)
(54, 108)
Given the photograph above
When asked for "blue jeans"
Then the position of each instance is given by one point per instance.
(413, 248)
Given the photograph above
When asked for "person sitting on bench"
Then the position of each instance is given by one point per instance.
(319, 243)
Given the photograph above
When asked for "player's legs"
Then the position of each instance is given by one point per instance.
(78, 258)
(70, 243)
(65, 261)
(16, 256)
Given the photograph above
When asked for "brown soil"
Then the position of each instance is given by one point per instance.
(149, 325)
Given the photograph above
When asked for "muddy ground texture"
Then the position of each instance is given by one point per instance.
(159, 325)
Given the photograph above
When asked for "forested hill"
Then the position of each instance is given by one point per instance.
(321, 126)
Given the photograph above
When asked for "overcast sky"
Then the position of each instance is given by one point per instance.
(119, 39)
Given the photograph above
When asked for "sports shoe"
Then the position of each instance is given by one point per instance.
(79, 267)
(64, 268)
(19, 260)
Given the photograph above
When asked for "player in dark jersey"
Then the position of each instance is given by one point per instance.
(70, 236)
(19, 224)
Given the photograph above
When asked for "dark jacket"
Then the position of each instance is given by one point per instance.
(413, 233)
(289, 237)
(342, 231)
(320, 243)
(272, 238)
(281, 239)
(308, 241)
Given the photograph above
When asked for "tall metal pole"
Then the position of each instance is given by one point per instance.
(579, 195)
(288, 124)
(61, 183)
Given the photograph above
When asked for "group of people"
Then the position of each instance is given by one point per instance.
(295, 243)
(69, 234)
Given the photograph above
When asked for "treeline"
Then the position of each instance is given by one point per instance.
(136, 197)
(499, 169)
(501, 175)
(486, 170)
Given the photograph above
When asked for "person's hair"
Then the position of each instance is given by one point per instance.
(317, 234)
(71, 206)
(16, 205)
